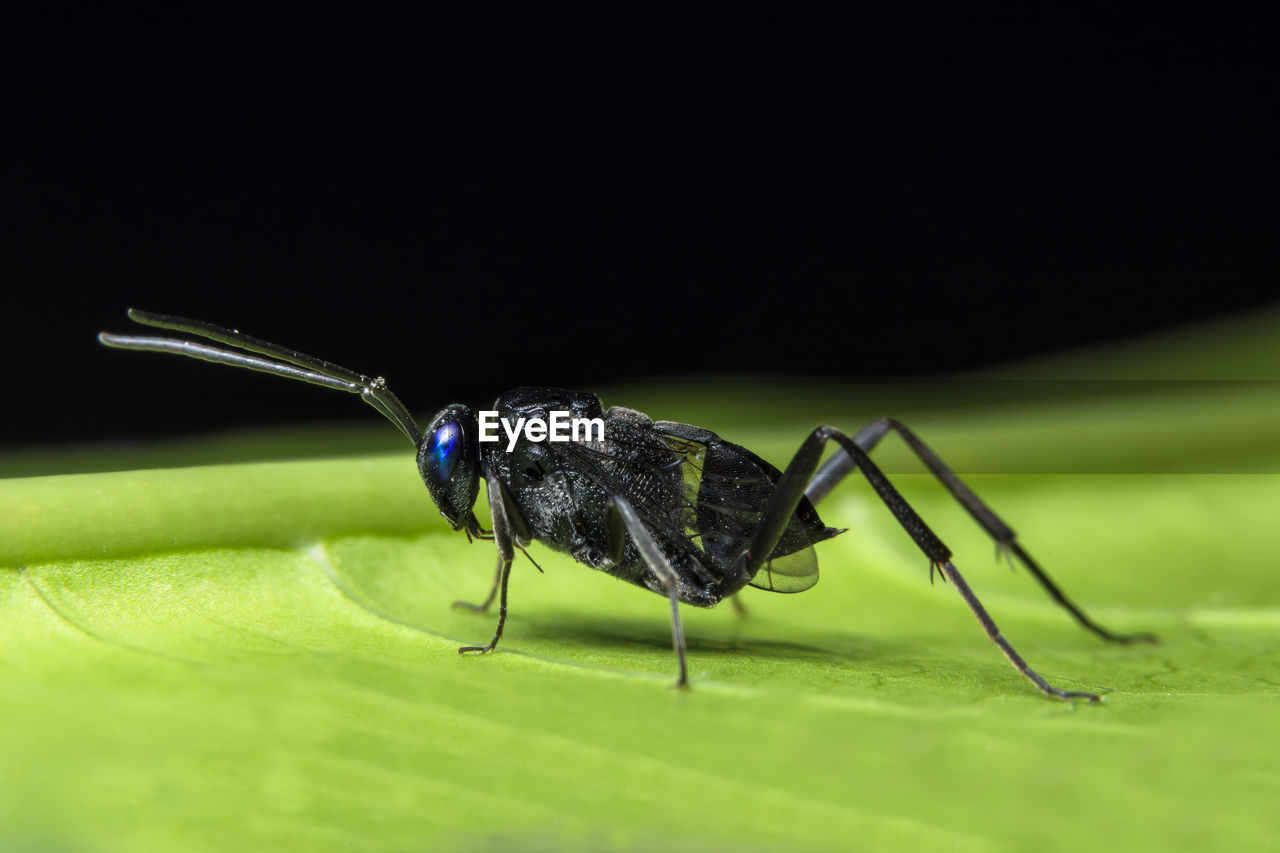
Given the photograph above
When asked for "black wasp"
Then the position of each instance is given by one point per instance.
(666, 506)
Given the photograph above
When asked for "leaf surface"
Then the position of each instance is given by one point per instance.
(263, 656)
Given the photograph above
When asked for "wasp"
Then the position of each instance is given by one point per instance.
(667, 506)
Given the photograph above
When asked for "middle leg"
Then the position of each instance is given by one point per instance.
(623, 520)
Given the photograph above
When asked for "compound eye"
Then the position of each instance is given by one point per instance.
(443, 450)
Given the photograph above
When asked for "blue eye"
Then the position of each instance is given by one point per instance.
(442, 451)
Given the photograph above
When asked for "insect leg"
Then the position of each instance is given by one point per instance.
(791, 487)
(866, 438)
(622, 520)
(488, 600)
(841, 465)
(502, 537)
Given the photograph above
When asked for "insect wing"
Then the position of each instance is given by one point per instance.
(727, 486)
(700, 496)
(635, 462)
(791, 573)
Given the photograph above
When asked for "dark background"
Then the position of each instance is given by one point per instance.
(468, 206)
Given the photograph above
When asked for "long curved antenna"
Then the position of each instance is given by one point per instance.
(283, 361)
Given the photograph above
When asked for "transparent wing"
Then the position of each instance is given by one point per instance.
(792, 573)
(727, 487)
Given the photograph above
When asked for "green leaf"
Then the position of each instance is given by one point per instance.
(263, 655)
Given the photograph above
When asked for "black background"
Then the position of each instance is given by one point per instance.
(466, 206)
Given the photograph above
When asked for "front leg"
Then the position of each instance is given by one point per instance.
(502, 537)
